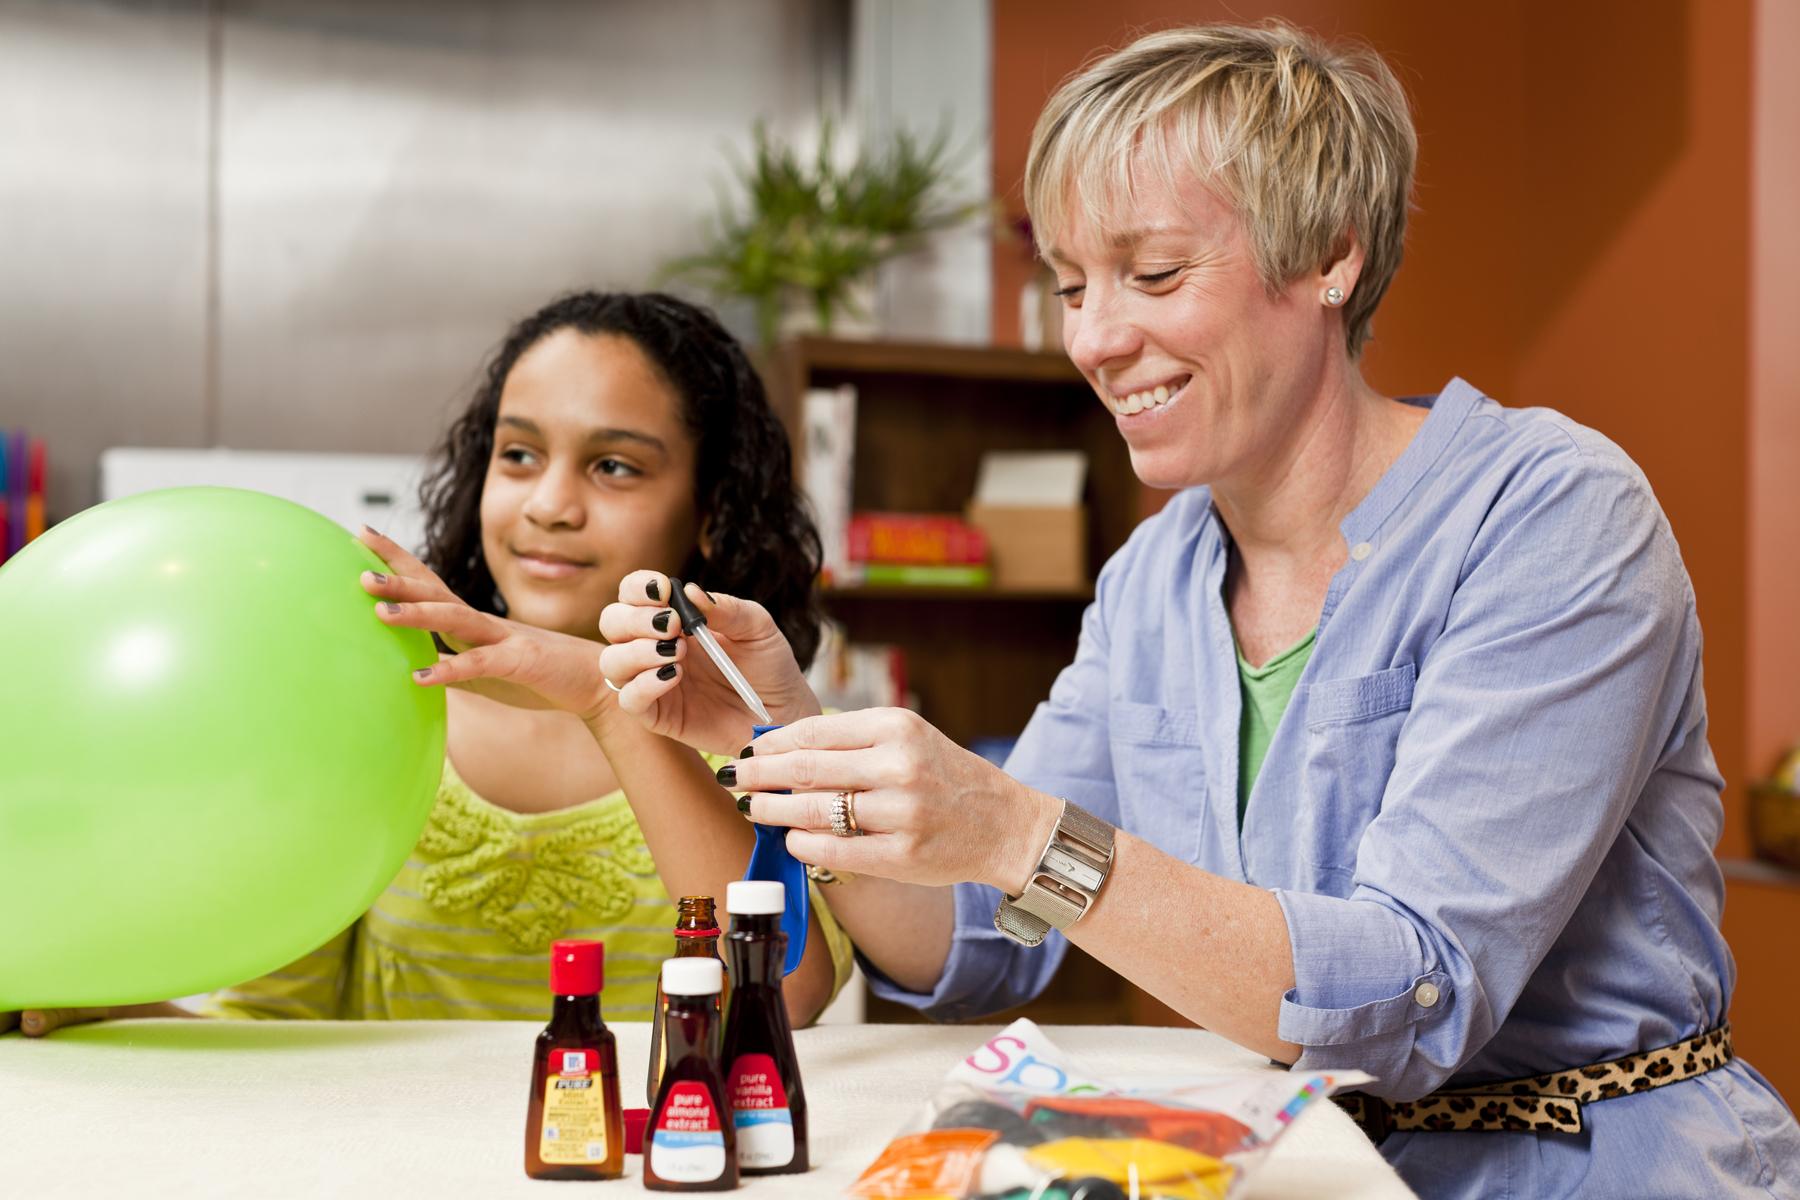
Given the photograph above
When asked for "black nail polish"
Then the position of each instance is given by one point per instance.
(747, 752)
(666, 649)
(389, 607)
(667, 672)
(743, 803)
(707, 594)
(651, 590)
(422, 673)
(378, 577)
(660, 622)
(726, 775)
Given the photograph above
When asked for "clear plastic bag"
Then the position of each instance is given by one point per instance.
(1016, 1120)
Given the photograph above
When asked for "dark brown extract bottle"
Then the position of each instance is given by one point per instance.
(762, 1073)
(689, 1144)
(696, 936)
(574, 1128)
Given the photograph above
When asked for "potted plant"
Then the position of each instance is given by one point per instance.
(812, 228)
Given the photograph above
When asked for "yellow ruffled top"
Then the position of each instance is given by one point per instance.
(464, 930)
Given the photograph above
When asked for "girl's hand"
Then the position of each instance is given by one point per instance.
(930, 811)
(674, 688)
(517, 664)
(41, 1022)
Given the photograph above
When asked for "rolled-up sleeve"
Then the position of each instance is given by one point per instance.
(1064, 751)
(1567, 670)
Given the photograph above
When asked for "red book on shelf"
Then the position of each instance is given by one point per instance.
(925, 539)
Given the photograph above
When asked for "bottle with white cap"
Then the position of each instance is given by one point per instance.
(691, 1144)
(762, 1073)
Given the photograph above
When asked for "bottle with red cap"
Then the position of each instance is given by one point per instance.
(573, 1127)
(762, 1073)
(691, 1145)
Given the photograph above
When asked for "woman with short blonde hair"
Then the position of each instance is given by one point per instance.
(1305, 144)
(1384, 746)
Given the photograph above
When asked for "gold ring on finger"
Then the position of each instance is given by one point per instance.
(843, 815)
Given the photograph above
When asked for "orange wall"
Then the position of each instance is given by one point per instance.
(1774, 666)
(1580, 241)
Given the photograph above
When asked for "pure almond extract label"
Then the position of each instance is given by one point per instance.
(759, 1112)
(574, 1109)
(687, 1143)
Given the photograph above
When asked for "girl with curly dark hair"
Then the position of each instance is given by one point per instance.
(610, 434)
(754, 537)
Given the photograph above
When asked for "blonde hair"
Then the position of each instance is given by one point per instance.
(1306, 142)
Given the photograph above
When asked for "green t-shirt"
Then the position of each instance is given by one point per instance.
(1266, 691)
(464, 930)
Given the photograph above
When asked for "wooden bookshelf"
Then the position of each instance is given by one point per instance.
(971, 595)
(980, 659)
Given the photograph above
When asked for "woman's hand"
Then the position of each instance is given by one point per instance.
(674, 688)
(930, 811)
(517, 664)
(41, 1022)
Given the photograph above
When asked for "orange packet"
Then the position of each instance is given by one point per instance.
(939, 1164)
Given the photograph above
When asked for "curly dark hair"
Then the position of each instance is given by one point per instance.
(761, 543)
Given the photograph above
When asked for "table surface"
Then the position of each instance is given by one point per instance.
(437, 1108)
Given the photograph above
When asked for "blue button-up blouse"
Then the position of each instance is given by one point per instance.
(1488, 813)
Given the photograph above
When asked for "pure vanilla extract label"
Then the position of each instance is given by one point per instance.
(759, 1112)
(687, 1142)
(574, 1109)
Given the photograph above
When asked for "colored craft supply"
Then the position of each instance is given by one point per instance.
(635, 1121)
(696, 936)
(19, 463)
(691, 1143)
(6, 546)
(574, 1128)
(770, 860)
(762, 1072)
(36, 482)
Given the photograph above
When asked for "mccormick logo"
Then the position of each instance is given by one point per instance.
(574, 1062)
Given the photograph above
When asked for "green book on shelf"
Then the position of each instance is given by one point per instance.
(914, 575)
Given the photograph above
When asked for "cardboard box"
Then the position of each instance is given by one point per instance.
(1034, 548)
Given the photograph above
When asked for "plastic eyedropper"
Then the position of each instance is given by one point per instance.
(693, 622)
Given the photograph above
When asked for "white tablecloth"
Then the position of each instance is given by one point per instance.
(437, 1108)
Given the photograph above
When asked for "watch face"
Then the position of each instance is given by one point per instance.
(1083, 876)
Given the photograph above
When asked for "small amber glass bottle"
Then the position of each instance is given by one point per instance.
(574, 1128)
(762, 1073)
(696, 936)
(690, 1145)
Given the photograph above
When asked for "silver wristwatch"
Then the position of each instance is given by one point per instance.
(1069, 874)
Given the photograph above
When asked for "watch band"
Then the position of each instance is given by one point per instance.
(1069, 875)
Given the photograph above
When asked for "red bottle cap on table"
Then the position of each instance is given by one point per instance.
(577, 967)
(635, 1120)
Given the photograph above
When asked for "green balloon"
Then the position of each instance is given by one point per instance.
(212, 757)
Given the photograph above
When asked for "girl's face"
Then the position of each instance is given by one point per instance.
(592, 477)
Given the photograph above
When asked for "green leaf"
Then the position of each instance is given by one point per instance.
(815, 225)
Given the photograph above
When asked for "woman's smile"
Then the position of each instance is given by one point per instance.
(1140, 404)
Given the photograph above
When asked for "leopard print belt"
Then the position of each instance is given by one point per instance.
(1540, 1103)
